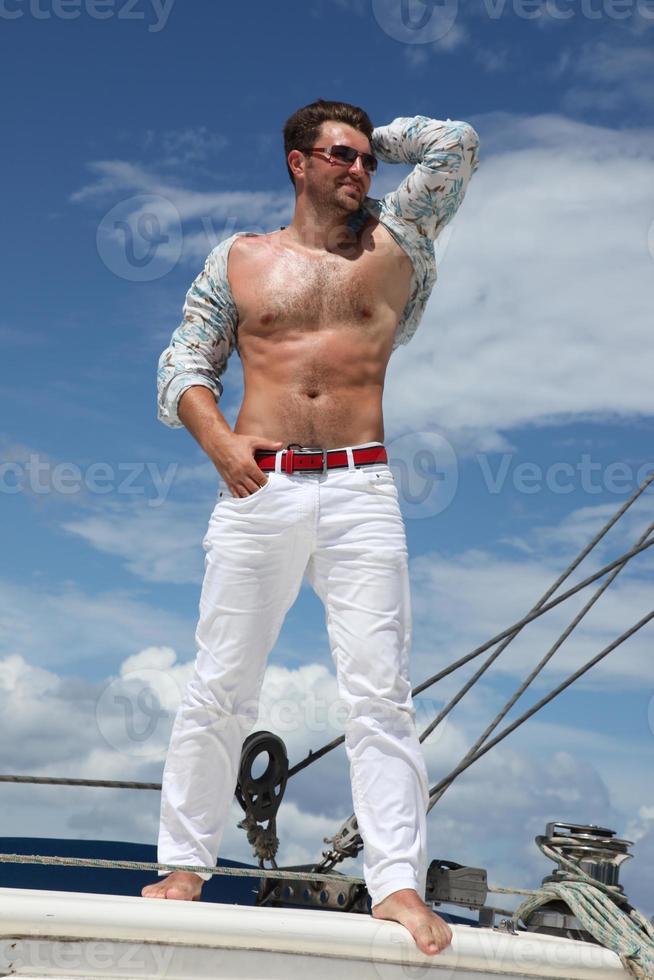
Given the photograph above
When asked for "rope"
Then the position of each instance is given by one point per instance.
(625, 931)
(72, 862)
(116, 865)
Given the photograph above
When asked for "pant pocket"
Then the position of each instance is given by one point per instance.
(225, 494)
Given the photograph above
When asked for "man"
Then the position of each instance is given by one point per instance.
(315, 311)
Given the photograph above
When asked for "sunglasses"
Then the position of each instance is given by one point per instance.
(347, 155)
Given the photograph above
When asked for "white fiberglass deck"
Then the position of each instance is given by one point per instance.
(66, 935)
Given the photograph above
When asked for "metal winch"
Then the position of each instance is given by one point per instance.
(594, 850)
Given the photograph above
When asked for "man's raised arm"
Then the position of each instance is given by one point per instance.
(445, 154)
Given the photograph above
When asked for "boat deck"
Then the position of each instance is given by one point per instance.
(70, 935)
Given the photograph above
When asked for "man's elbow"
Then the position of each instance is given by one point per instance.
(470, 145)
(453, 142)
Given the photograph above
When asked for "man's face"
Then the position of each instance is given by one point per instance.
(342, 184)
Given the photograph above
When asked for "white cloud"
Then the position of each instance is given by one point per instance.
(177, 148)
(492, 59)
(91, 630)
(466, 599)
(607, 76)
(215, 214)
(161, 544)
(545, 289)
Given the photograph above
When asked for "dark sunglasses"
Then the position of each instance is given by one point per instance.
(346, 154)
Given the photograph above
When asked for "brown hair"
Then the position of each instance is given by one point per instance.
(302, 128)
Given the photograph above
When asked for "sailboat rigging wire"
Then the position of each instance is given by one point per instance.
(313, 756)
(543, 662)
(61, 781)
(564, 575)
(536, 707)
(541, 602)
(531, 616)
(542, 606)
(356, 844)
(540, 609)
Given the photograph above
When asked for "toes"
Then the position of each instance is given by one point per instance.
(151, 892)
(431, 938)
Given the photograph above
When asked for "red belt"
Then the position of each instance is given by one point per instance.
(319, 460)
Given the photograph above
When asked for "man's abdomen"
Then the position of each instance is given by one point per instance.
(318, 418)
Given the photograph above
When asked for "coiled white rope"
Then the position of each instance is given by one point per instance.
(622, 929)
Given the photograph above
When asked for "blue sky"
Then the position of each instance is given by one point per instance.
(528, 386)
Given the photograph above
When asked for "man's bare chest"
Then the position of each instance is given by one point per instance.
(276, 287)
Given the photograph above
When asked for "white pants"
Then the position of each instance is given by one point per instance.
(344, 530)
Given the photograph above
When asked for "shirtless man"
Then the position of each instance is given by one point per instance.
(317, 305)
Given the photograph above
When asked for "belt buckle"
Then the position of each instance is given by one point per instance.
(324, 460)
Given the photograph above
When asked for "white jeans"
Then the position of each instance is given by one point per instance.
(344, 530)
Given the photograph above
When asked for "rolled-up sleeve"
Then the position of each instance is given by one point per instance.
(445, 154)
(200, 347)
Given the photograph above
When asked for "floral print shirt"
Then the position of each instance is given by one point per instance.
(445, 156)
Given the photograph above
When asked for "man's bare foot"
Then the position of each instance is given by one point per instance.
(431, 933)
(184, 885)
